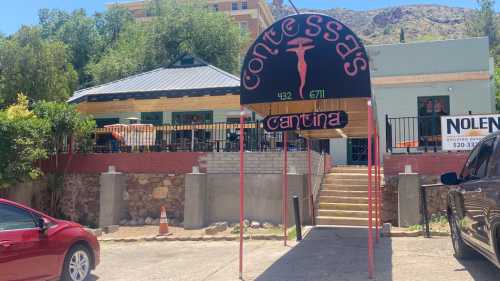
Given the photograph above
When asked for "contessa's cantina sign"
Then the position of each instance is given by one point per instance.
(305, 57)
(306, 121)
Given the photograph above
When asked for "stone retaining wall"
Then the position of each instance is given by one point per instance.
(80, 199)
(436, 198)
(145, 194)
(429, 166)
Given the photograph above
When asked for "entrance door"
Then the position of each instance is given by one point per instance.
(357, 151)
(430, 110)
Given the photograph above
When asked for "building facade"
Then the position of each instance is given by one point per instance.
(189, 90)
(253, 16)
(410, 82)
(416, 83)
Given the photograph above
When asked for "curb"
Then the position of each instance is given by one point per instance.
(417, 233)
(191, 238)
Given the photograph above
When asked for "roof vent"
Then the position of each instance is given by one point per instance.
(187, 60)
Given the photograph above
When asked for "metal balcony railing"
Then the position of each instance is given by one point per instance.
(202, 137)
(413, 134)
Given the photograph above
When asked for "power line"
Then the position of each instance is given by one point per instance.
(294, 7)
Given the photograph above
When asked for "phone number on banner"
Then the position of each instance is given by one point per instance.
(461, 143)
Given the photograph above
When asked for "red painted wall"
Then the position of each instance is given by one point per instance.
(152, 162)
(425, 163)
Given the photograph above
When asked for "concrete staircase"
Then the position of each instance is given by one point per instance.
(343, 198)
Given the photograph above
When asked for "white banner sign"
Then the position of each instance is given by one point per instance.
(464, 132)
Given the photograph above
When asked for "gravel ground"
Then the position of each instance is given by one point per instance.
(141, 231)
(335, 254)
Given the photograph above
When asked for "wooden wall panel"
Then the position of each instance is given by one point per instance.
(230, 102)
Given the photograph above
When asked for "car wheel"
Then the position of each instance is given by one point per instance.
(77, 264)
(462, 250)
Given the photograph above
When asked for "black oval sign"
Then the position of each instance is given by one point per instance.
(306, 121)
(305, 57)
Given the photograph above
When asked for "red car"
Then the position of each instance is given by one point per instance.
(34, 246)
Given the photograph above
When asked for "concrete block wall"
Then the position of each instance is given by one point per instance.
(215, 197)
(258, 162)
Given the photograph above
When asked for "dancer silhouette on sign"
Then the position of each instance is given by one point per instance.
(300, 51)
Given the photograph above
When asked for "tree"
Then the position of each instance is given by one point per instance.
(126, 58)
(76, 30)
(215, 37)
(148, 45)
(402, 36)
(39, 68)
(483, 22)
(112, 23)
(22, 140)
(65, 124)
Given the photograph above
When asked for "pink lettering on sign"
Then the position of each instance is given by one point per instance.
(306, 121)
(344, 50)
(250, 82)
(314, 28)
(333, 34)
(268, 51)
(358, 63)
(268, 36)
(289, 26)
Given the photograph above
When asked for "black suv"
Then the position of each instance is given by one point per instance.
(474, 202)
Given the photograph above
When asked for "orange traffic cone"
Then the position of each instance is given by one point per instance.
(163, 221)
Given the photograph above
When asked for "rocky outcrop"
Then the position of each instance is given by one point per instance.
(382, 26)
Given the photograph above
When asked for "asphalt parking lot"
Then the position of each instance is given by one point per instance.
(326, 254)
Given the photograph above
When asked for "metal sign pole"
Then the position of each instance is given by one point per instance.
(377, 202)
(379, 186)
(285, 187)
(309, 180)
(242, 186)
(370, 215)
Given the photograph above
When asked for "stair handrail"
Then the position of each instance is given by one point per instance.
(317, 185)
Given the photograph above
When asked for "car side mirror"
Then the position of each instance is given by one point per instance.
(450, 179)
(42, 225)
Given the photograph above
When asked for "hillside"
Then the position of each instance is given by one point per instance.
(382, 26)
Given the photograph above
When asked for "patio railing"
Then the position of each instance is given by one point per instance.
(206, 137)
(413, 134)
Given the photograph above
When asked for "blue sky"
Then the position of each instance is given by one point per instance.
(18, 12)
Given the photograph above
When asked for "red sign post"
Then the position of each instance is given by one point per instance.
(242, 185)
(285, 187)
(370, 206)
(377, 199)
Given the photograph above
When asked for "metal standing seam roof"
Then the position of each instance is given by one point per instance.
(199, 76)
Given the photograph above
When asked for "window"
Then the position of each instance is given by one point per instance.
(484, 156)
(244, 5)
(430, 110)
(101, 122)
(13, 218)
(236, 120)
(477, 164)
(234, 6)
(196, 117)
(216, 7)
(154, 118)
